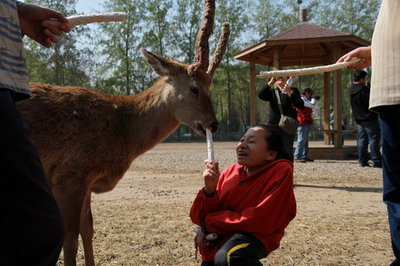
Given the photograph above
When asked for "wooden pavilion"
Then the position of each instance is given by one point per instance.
(305, 44)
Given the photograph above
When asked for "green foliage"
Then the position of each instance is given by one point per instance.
(184, 26)
(67, 62)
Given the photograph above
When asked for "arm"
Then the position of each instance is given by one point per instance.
(41, 24)
(310, 104)
(265, 93)
(364, 53)
(207, 198)
(296, 99)
(277, 207)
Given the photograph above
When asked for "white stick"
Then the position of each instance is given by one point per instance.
(91, 18)
(210, 146)
(306, 71)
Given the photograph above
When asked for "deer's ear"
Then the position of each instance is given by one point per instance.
(159, 64)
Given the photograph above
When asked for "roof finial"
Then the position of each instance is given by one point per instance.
(303, 15)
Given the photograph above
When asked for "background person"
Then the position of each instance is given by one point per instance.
(249, 204)
(290, 99)
(367, 121)
(31, 227)
(305, 122)
(385, 99)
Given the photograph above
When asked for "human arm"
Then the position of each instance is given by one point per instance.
(207, 198)
(266, 92)
(276, 207)
(296, 99)
(364, 53)
(41, 24)
(312, 103)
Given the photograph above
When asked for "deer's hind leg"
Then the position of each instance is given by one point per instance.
(70, 201)
(86, 230)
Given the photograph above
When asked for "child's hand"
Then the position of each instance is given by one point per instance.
(211, 176)
(199, 239)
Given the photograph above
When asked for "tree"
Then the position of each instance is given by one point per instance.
(233, 11)
(353, 16)
(157, 31)
(185, 25)
(66, 63)
(122, 65)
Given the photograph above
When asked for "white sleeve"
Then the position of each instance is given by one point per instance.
(310, 104)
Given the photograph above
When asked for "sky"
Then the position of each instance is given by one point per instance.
(89, 6)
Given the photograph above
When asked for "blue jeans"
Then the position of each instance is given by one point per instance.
(369, 132)
(390, 126)
(302, 142)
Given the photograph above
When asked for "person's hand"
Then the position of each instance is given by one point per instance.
(271, 81)
(364, 53)
(42, 24)
(199, 239)
(211, 176)
(287, 89)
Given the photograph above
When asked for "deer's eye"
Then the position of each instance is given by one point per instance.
(194, 90)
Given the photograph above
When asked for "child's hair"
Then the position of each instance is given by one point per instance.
(305, 90)
(274, 140)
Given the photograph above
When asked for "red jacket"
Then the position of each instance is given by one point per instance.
(261, 204)
(304, 116)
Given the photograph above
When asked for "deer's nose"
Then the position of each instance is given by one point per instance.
(214, 127)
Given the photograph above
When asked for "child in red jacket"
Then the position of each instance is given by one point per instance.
(248, 205)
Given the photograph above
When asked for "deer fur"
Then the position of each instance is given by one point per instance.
(87, 140)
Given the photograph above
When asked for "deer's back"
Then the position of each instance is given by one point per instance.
(77, 128)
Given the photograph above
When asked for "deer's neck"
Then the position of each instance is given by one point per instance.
(150, 118)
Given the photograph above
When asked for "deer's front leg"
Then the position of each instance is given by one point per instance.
(86, 230)
(70, 201)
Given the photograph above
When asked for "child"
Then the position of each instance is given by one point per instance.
(248, 205)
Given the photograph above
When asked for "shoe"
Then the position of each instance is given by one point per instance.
(309, 159)
(364, 164)
(300, 160)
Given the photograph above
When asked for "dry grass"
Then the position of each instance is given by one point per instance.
(341, 219)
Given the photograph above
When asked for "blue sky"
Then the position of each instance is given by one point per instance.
(89, 6)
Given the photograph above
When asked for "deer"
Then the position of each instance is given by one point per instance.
(87, 140)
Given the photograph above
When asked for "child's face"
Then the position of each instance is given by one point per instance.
(252, 149)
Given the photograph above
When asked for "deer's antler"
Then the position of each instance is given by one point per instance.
(200, 61)
(220, 50)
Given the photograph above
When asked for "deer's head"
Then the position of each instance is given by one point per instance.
(188, 86)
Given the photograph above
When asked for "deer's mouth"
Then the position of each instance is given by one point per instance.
(199, 129)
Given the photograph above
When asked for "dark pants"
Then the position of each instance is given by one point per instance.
(239, 250)
(369, 132)
(288, 141)
(390, 126)
(31, 227)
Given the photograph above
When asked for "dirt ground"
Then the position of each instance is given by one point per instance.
(341, 219)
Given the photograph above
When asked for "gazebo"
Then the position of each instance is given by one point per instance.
(305, 44)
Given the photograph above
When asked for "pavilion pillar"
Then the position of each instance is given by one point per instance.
(337, 99)
(327, 106)
(252, 100)
(277, 58)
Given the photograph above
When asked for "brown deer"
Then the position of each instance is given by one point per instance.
(87, 140)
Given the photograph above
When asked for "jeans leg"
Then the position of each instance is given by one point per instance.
(306, 137)
(362, 145)
(390, 126)
(298, 154)
(373, 130)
